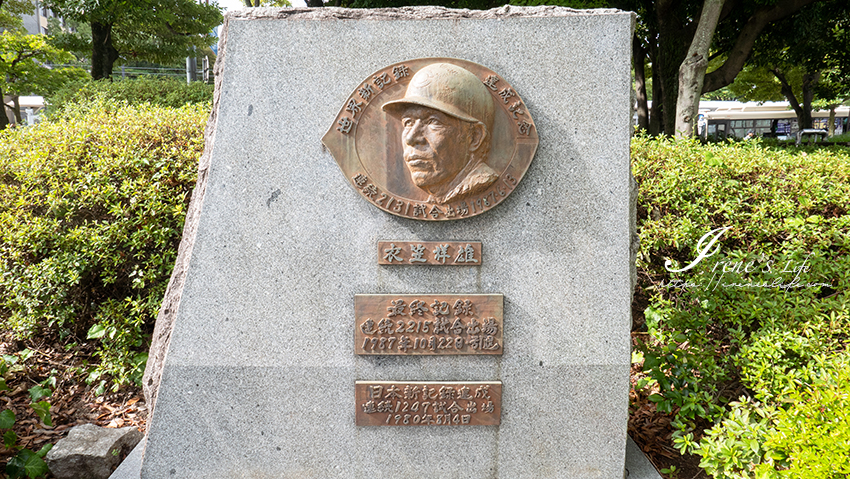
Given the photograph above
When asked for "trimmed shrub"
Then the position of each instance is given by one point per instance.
(806, 436)
(161, 91)
(92, 204)
(811, 439)
(769, 295)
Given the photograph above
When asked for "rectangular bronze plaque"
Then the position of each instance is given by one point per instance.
(411, 403)
(440, 253)
(428, 324)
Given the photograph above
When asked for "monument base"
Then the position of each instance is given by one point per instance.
(637, 464)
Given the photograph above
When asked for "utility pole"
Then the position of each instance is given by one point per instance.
(191, 69)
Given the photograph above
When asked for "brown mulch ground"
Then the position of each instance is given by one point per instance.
(652, 432)
(73, 402)
(650, 429)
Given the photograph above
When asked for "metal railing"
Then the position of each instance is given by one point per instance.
(202, 70)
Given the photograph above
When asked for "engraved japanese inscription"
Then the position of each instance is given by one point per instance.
(428, 324)
(428, 403)
(441, 253)
(433, 139)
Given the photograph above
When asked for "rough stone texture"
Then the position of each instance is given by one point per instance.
(413, 13)
(91, 451)
(259, 376)
(168, 311)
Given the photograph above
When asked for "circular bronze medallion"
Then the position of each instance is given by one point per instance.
(433, 139)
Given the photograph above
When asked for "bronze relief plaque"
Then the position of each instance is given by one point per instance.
(412, 403)
(428, 324)
(433, 139)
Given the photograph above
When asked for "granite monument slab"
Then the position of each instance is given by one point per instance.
(260, 375)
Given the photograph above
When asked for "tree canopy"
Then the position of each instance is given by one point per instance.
(668, 28)
(25, 60)
(152, 30)
(24, 66)
(802, 58)
(11, 11)
(677, 37)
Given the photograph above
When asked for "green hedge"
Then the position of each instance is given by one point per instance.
(752, 319)
(92, 204)
(161, 91)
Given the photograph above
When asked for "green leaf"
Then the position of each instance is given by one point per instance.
(7, 419)
(3, 386)
(37, 392)
(42, 410)
(50, 381)
(26, 463)
(9, 439)
(651, 361)
(656, 398)
(712, 160)
(96, 331)
(15, 467)
(44, 450)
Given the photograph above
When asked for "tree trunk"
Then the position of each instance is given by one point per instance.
(669, 86)
(831, 126)
(4, 120)
(804, 111)
(809, 81)
(656, 113)
(104, 53)
(16, 109)
(673, 40)
(692, 69)
(639, 60)
(788, 93)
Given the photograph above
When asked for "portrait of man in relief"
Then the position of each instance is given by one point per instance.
(447, 123)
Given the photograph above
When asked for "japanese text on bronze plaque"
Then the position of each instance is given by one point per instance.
(441, 253)
(428, 324)
(428, 403)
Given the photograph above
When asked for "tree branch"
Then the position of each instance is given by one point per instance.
(786, 89)
(175, 32)
(746, 39)
(23, 56)
(727, 9)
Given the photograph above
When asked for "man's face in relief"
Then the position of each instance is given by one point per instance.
(436, 146)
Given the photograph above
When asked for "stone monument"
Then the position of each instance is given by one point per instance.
(408, 253)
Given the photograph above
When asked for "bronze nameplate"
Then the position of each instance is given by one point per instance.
(410, 403)
(428, 324)
(440, 253)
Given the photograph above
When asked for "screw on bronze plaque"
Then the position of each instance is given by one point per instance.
(433, 139)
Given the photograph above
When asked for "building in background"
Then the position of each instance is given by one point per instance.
(38, 22)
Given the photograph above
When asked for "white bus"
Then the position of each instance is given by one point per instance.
(721, 120)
